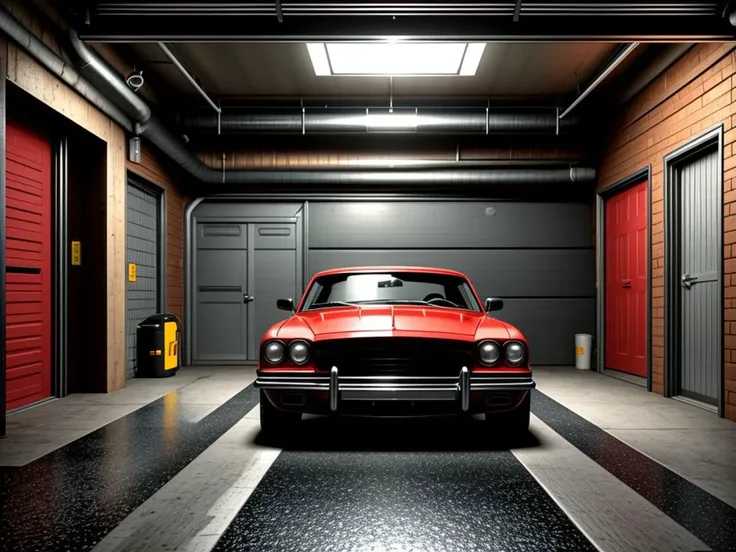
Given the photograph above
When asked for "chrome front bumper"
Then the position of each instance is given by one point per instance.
(382, 388)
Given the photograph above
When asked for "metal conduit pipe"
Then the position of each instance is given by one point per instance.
(150, 127)
(105, 77)
(335, 120)
(56, 65)
(171, 146)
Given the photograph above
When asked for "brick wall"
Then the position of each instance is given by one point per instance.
(151, 169)
(696, 93)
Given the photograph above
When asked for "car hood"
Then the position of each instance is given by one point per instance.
(392, 319)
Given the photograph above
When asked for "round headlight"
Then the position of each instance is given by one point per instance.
(274, 352)
(299, 352)
(515, 353)
(489, 352)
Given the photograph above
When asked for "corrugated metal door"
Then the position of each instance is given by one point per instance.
(142, 294)
(29, 278)
(700, 209)
(626, 280)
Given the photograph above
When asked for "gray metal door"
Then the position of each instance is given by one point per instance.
(700, 211)
(241, 270)
(142, 244)
(221, 292)
(274, 265)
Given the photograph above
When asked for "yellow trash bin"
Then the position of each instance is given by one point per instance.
(157, 346)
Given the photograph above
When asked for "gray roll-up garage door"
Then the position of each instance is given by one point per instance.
(537, 257)
(142, 244)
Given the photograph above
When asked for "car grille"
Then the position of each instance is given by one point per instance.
(393, 356)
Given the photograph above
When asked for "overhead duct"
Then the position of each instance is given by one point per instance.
(59, 67)
(149, 126)
(344, 120)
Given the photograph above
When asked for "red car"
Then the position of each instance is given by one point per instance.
(393, 341)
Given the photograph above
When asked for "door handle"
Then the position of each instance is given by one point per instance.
(687, 280)
(248, 298)
(626, 283)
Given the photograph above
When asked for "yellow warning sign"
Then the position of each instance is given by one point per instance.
(131, 272)
(76, 253)
(581, 351)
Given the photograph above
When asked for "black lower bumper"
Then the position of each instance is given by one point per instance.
(348, 389)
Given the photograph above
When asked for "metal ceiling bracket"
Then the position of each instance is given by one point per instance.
(488, 116)
(390, 94)
(169, 54)
(279, 12)
(517, 10)
(557, 121)
(601, 77)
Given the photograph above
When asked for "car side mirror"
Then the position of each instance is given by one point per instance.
(493, 304)
(285, 304)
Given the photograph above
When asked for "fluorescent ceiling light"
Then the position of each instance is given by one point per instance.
(407, 59)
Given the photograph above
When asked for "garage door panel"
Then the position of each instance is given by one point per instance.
(431, 225)
(550, 325)
(537, 257)
(24, 361)
(499, 273)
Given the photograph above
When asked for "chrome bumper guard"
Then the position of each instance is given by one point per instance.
(409, 388)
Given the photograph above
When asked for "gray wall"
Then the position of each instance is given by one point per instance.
(538, 257)
(142, 249)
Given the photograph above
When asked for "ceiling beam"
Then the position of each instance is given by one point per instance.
(433, 21)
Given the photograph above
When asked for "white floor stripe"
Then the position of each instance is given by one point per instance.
(190, 512)
(614, 517)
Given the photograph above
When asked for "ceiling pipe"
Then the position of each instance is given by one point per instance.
(600, 78)
(149, 126)
(59, 67)
(99, 72)
(326, 120)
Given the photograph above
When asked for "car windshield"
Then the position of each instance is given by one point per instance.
(395, 288)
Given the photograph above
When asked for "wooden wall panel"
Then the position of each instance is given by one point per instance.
(695, 94)
(344, 156)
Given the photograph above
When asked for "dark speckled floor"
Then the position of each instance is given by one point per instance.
(705, 516)
(70, 499)
(399, 487)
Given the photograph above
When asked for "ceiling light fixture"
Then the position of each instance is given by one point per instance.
(396, 59)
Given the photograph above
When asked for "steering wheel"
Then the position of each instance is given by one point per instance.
(437, 297)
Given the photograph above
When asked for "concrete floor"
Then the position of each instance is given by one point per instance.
(177, 464)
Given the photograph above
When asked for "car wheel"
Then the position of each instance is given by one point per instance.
(514, 421)
(275, 421)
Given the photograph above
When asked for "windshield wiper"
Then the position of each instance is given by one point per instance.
(332, 304)
(417, 302)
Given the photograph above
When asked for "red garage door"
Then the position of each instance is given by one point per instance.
(29, 280)
(626, 281)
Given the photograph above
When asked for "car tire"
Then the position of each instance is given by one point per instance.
(277, 422)
(514, 421)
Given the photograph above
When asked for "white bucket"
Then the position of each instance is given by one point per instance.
(583, 351)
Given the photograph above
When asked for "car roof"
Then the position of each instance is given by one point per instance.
(379, 269)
